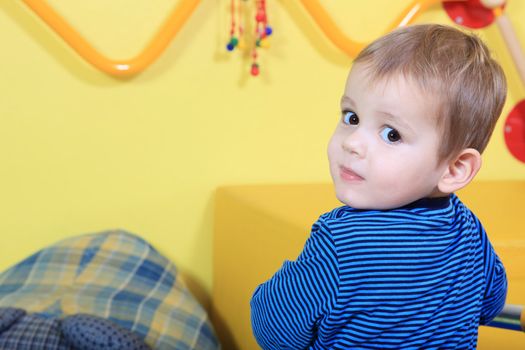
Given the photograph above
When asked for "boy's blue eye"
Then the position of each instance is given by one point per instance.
(350, 118)
(390, 135)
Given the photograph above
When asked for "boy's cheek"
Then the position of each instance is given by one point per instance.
(333, 147)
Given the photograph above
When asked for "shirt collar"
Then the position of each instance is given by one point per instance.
(429, 203)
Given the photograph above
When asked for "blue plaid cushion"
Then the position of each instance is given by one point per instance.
(116, 276)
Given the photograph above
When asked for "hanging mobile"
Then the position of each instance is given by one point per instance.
(262, 30)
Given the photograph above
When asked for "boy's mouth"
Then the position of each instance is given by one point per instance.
(349, 175)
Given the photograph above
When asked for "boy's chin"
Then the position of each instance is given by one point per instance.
(357, 202)
(351, 200)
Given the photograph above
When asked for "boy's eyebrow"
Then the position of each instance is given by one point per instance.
(346, 98)
(397, 120)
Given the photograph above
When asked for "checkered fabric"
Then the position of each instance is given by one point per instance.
(114, 275)
(34, 332)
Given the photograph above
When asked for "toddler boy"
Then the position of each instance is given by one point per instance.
(403, 264)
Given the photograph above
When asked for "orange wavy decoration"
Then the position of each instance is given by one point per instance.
(154, 48)
(349, 46)
(178, 17)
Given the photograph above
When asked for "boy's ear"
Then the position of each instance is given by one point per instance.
(460, 171)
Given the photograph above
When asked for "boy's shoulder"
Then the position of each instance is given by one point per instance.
(339, 212)
(424, 212)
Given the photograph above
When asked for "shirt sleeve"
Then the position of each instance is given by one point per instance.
(496, 282)
(287, 309)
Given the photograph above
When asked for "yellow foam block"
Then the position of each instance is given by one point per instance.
(258, 227)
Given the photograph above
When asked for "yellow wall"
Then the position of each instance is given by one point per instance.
(82, 152)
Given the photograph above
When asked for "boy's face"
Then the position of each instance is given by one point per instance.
(383, 153)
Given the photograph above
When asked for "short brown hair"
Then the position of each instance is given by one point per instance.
(455, 67)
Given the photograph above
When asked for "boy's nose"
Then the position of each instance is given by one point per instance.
(354, 143)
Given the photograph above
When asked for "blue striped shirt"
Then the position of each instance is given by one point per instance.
(421, 276)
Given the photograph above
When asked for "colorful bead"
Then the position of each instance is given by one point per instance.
(255, 69)
(261, 17)
(232, 44)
